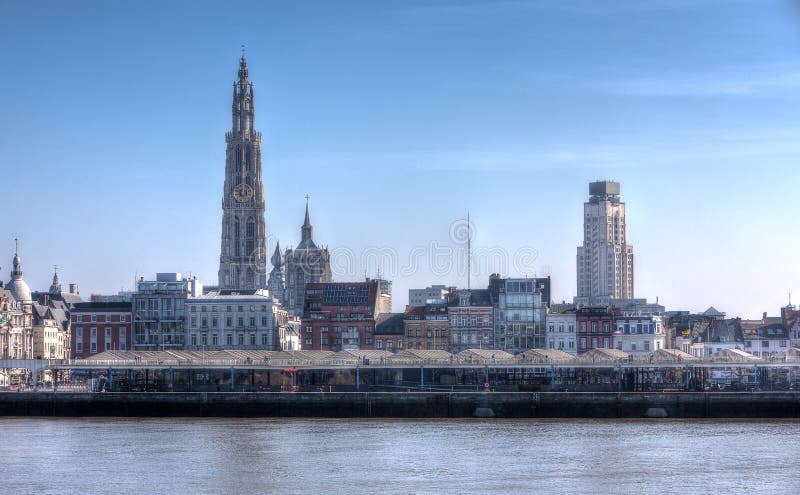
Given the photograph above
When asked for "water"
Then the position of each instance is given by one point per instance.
(192, 456)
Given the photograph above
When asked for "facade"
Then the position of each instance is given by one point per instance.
(159, 312)
(418, 297)
(100, 326)
(595, 329)
(243, 251)
(766, 341)
(17, 325)
(340, 316)
(49, 337)
(561, 333)
(427, 327)
(519, 314)
(234, 320)
(605, 260)
(639, 334)
(390, 332)
(304, 265)
(471, 318)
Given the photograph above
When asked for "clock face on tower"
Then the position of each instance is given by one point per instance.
(242, 193)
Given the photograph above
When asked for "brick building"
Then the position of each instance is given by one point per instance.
(427, 327)
(595, 329)
(340, 316)
(99, 327)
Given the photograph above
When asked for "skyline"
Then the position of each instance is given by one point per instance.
(671, 137)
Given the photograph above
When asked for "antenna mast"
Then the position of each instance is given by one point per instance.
(469, 254)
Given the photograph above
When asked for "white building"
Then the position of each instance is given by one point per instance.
(639, 334)
(246, 319)
(605, 260)
(561, 332)
(419, 297)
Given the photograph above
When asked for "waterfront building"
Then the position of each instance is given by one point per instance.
(595, 329)
(639, 334)
(289, 335)
(605, 259)
(390, 332)
(304, 265)
(17, 330)
(231, 319)
(519, 314)
(159, 311)
(50, 339)
(243, 251)
(791, 321)
(419, 297)
(561, 332)
(100, 326)
(340, 316)
(471, 316)
(769, 339)
(427, 327)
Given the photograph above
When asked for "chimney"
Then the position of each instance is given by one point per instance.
(73, 289)
(764, 317)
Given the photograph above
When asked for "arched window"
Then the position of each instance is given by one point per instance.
(237, 237)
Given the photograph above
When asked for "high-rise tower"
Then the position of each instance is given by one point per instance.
(605, 260)
(243, 254)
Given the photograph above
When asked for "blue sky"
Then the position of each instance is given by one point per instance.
(398, 118)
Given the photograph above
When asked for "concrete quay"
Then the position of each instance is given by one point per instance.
(406, 404)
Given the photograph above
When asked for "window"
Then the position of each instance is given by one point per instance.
(215, 322)
(229, 339)
(79, 332)
(79, 347)
(379, 344)
(310, 329)
(194, 339)
(263, 321)
(94, 347)
(309, 342)
(228, 322)
(214, 339)
(93, 332)
(264, 339)
(108, 345)
(123, 318)
(204, 339)
(324, 341)
(252, 321)
(647, 345)
(323, 329)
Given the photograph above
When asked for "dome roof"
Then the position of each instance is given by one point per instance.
(20, 290)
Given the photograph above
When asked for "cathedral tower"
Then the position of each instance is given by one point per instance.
(243, 254)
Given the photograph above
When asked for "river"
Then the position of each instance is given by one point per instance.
(193, 456)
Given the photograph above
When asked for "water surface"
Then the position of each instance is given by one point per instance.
(187, 455)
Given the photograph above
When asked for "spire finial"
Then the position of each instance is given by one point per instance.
(16, 245)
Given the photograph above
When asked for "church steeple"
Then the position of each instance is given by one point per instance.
(243, 253)
(277, 256)
(307, 232)
(243, 113)
(55, 287)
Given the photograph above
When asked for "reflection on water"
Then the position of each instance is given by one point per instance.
(350, 456)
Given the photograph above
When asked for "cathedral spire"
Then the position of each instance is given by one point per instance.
(307, 231)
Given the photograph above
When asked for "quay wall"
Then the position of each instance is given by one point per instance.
(406, 404)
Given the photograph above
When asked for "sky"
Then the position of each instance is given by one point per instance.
(398, 118)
